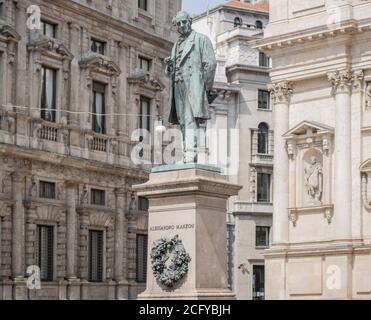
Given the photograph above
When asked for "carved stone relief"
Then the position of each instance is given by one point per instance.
(313, 177)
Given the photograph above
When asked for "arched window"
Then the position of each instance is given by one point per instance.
(263, 138)
(237, 22)
(259, 24)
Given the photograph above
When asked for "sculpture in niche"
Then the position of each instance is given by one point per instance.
(313, 174)
(368, 97)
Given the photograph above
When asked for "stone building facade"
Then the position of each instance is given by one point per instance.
(71, 95)
(243, 111)
(321, 87)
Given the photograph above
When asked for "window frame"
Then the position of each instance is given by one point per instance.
(45, 23)
(148, 115)
(260, 91)
(263, 130)
(269, 191)
(50, 183)
(146, 5)
(103, 44)
(267, 236)
(145, 257)
(100, 278)
(51, 264)
(99, 88)
(149, 61)
(264, 60)
(101, 204)
(44, 108)
(254, 266)
(140, 204)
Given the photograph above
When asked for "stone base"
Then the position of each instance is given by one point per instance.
(189, 201)
(215, 294)
(328, 271)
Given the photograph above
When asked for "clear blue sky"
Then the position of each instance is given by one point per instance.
(199, 6)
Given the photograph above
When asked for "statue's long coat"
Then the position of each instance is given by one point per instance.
(198, 65)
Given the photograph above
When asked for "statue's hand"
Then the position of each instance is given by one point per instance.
(168, 61)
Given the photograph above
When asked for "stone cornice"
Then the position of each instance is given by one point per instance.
(72, 162)
(302, 37)
(281, 91)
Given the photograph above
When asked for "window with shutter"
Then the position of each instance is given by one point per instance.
(98, 197)
(142, 257)
(47, 190)
(45, 252)
(95, 256)
(48, 94)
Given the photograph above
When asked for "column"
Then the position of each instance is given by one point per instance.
(21, 65)
(18, 236)
(71, 228)
(281, 93)
(356, 120)
(341, 82)
(119, 234)
(30, 244)
(131, 254)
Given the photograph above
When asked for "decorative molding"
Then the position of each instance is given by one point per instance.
(49, 213)
(365, 200)
(43, 44)
(281, 91)
(327, 210)
(96, 62)
(357, 79)
(341, 81)
(145, 79)
(9, 33)
(102, 220)
(161, 252)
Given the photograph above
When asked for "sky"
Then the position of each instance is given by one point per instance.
(199, 6)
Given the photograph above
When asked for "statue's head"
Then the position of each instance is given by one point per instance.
(183, 22)
(313, 160)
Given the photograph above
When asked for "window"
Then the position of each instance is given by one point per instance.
(142, 257)
(145, 64)
(259, 24)
(145, 121)
(99, 112)
(263, 138)
(264, 61)
(143, 204)
(262, 237)
(258, 283)
(1, 10)
(98, 46)
(97, 197)
(143, 4)
(46, 190)
(49, 29)
(264, 100)
(95, 256)
(45, 251)
(48, 96)
(237, 22)
(264, 186)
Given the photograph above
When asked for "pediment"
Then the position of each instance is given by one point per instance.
(366, 166)
(97, 62)
(39, 42)
(10, 33)
(145, 79)
(308, 128)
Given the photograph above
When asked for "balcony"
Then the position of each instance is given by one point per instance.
(262, 208)
(263, 159)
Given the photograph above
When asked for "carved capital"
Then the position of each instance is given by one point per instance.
(341, 81)
(281, 91)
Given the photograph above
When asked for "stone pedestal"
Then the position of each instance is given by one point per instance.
(189, 201)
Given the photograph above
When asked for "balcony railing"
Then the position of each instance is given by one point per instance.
(98, 144)
(49, 133)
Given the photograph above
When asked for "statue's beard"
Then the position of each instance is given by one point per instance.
(185, 32)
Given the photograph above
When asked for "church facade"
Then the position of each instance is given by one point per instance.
(322, 118)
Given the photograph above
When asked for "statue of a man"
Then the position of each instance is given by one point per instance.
(313, 179)
(192, 68)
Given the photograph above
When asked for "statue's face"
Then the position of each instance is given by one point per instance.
(184, 25)
(313, 160)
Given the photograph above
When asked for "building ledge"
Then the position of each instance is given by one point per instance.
(260, 208)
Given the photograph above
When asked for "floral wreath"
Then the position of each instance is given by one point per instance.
(162, 251)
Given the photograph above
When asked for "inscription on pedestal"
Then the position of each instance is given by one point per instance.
(172, 227)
